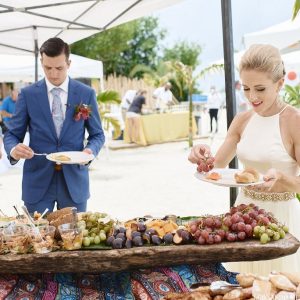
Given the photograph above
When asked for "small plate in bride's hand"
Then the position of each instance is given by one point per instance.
(227, 178)
(70, 157)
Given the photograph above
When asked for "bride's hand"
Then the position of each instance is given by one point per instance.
(272, 183)
(201, 156)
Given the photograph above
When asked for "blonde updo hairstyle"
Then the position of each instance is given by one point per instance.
(263, 58)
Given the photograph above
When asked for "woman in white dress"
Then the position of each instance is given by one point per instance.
(266, 138)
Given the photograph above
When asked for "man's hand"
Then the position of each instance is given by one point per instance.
(87, 150)
(22, 151)
(201, 156)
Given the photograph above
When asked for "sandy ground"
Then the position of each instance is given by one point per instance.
(155, 180)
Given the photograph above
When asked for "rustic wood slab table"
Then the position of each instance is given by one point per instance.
(89, 261)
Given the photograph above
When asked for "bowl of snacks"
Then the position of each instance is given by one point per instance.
(16, 239)
(71, 236)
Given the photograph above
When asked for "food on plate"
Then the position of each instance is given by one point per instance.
(214, 176)
(60, 157)
(249, 175)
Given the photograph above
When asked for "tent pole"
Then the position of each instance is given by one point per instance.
(36, 53)
(229, 76)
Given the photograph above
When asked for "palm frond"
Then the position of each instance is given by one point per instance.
(109, 97)
(296, 9)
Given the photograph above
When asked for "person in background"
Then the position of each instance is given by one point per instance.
(133, 115)
(214, 103)
(266, 139)
(163, 96)
(54, 110)
(241, 102)
(1, 142)
(8, 108)
(126, 101)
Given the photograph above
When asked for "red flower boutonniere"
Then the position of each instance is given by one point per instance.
(82, 111)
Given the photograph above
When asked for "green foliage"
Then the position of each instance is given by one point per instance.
(296, 9)
(125, 46)
(109, 97)
(144, 47)
(292, 95)
(104, 100)
(187, 53)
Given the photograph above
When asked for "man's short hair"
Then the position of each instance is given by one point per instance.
(54, 47)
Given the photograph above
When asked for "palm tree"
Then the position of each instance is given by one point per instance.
(292, 95)
(296, 9)
(105, 99)
(184, 75)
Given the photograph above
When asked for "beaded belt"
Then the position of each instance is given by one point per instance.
(268, 196)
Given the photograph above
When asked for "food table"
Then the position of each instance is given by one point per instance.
(145, 257)
(163, 127)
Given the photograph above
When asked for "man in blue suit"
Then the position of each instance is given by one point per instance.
(47, 109)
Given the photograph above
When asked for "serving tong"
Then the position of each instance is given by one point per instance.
(216, 287)
(31, 223)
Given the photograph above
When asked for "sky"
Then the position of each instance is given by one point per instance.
(200, 21)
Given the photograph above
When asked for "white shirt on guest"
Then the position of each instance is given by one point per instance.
(63, 93)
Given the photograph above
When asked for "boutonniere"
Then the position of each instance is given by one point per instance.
(82, 111)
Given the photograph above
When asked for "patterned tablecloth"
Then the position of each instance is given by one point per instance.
(143, 284)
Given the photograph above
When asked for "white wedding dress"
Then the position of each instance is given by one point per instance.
(261, 147)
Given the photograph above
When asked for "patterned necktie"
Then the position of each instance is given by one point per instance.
(57, 110)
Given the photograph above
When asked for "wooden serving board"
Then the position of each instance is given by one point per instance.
(117, 260)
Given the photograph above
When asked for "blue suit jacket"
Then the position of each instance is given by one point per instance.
(33, 113)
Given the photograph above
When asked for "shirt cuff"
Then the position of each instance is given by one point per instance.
(11, 159)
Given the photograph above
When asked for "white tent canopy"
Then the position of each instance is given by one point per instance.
(21, 68)
(22, 22)
(281, 35)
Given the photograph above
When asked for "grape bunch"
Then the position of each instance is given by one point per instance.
(206, 163)
(270, 232)
(240, 223)
(95, 227)
(139, 235)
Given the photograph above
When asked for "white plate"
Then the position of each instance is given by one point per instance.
(227, 178)
(77, 157)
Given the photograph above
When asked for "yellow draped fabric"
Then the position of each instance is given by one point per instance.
(158, 128)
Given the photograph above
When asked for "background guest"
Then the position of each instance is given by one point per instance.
(133, 115)
(163, 96)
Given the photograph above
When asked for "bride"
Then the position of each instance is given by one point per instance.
(267, 139)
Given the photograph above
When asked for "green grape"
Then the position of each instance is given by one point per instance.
(273, 226)
(89, 224)
(264, 238)
(270, 232)
(256, 230)
(97, 240)
(262, 229)
(86, 241)
(91, 239)
(92, 218)
(282, 233)
(85, 232)
(276, 236)
(285, 228)
(93, 234)
(102, 236)
(107, 228)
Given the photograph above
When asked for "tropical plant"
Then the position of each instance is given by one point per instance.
(188, 79)
(182, 51)
(105, 99)
(296, 9)
(124, 46)
(292, 95)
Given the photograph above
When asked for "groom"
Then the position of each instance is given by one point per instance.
(47, 109)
